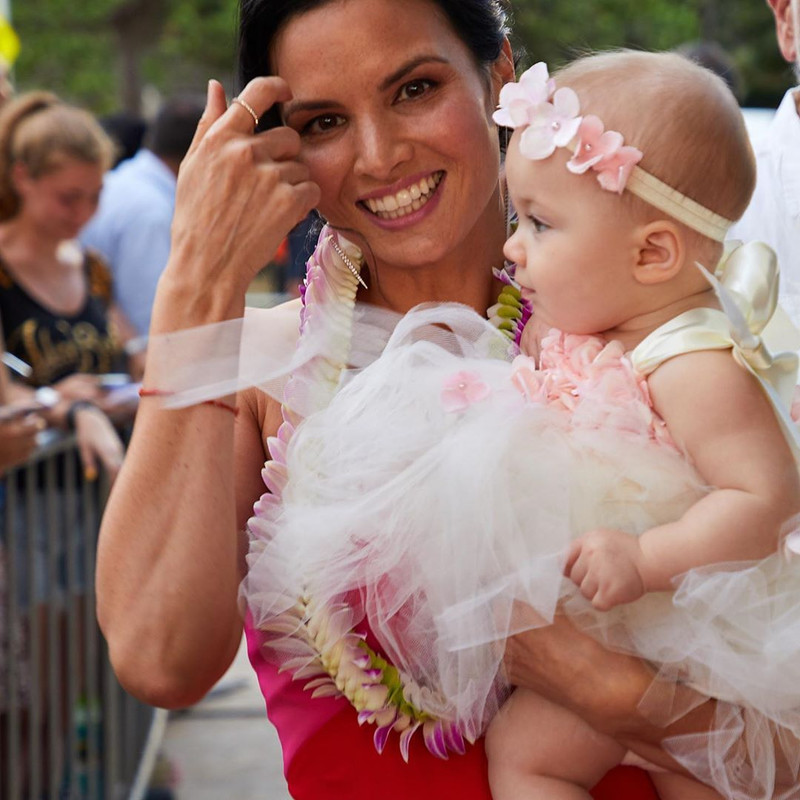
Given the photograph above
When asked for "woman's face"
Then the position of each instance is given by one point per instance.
(59, 203)
(395, 122)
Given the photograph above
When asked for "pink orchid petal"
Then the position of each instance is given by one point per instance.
(325, 680)
(454, 739)
(434, 739)
(363, 661)
(276, 448)
(326, 691)
(275, 477)
(405, 740)
(381, 735)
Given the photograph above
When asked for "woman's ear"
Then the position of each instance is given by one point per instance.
(502, 71)
(660, 254)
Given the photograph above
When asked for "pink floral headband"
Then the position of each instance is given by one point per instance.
(550, 118)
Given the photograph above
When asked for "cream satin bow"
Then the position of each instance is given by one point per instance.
(764, 338)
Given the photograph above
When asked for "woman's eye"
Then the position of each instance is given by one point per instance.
(323, 123)
(414, 89)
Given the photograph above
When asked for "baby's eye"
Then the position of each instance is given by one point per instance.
(323, 124)
(538, 225)
(414, 89)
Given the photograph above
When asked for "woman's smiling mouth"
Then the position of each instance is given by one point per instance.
(406, 201)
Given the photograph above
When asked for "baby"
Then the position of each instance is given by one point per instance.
(593, 258)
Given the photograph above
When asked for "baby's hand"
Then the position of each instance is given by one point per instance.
(605, 565)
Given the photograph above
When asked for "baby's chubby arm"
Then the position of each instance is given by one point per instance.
(718, 413)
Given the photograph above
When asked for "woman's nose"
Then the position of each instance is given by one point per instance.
(380, 149)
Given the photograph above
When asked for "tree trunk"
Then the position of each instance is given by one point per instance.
(138, 25)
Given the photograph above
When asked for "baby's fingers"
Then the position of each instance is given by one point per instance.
(573, 554)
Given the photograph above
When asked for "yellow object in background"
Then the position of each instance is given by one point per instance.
(9, 43)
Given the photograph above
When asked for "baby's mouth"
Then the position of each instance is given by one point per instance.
(406, 201)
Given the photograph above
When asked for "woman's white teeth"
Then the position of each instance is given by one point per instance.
(406, 200)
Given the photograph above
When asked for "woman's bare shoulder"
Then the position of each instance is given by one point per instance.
(283, 319)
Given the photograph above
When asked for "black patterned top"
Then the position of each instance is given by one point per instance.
(56, 345)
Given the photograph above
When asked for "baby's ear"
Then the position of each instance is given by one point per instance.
(660, 254)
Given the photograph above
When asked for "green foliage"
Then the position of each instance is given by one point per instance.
(555, 31)
(71, 47)
(67, 47)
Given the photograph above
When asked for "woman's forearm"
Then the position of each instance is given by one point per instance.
(612, 691)
(167, 571)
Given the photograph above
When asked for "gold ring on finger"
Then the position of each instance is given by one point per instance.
(248, 108)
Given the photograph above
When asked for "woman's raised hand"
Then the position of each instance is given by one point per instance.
(239, 193)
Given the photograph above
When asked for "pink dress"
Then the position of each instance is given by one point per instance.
(327, 755)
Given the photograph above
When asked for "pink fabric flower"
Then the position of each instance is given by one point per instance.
(604, 152)
(551, 125)
(613, 173)
(528, 380)
(594, 382)
(462, 389)
(518, 99)
(594, 144)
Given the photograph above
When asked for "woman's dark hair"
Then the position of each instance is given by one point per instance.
(480, 24)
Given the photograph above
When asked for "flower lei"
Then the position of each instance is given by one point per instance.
(320, 643)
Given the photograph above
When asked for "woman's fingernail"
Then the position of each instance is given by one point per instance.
(90, 473)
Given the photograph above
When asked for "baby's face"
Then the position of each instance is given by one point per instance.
(573, 247)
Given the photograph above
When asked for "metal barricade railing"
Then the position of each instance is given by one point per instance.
(68, 731)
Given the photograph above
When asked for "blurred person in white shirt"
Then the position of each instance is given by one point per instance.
(774, 212)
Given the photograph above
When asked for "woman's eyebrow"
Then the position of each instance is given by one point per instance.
(292, 108)
(408, 67)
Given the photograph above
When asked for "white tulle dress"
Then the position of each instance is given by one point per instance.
(439, 490)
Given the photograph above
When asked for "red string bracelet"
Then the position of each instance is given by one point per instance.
(218, 403)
